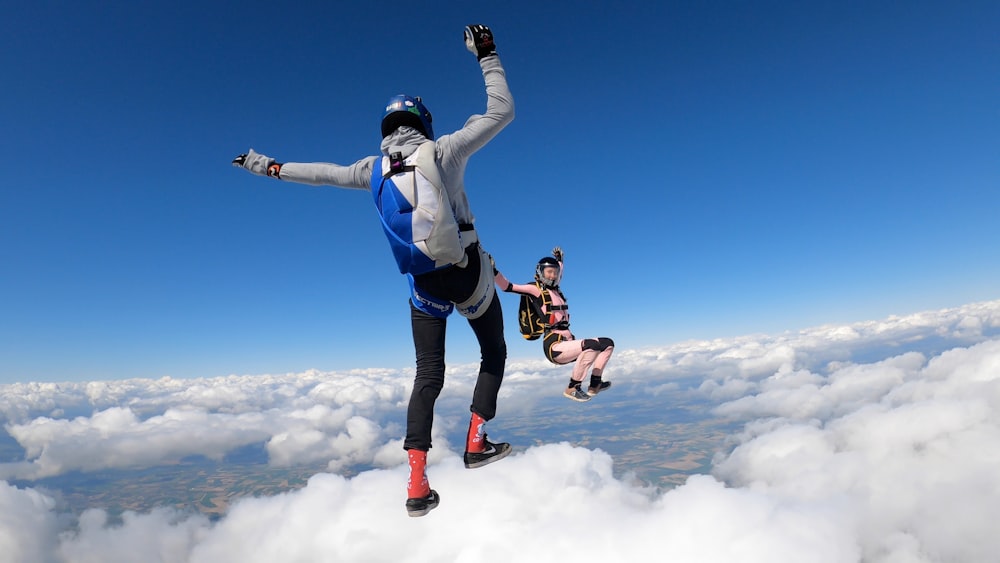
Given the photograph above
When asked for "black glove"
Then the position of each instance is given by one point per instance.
(479, 41)
(239, 160)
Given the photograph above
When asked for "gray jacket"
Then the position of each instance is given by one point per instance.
(453, 150)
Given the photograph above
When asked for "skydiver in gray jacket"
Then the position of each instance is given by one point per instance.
(466, 284)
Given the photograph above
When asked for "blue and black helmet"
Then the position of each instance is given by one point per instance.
(406, 110)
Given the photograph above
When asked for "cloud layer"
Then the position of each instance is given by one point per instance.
(875, 441)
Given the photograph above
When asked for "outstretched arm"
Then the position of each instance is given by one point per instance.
(354, 176)
(505, 284)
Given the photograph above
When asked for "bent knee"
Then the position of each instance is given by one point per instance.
(598, 344)
(496, 352)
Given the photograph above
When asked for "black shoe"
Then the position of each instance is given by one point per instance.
(576, 394)
(420, 506)
(595, 390)
(493, 452)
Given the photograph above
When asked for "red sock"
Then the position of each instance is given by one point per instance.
(475, 443)
(417, 485)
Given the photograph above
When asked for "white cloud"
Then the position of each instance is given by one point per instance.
(877, 441)
(161, 535)
(350, 442)
(115, 437)
(552, 502)
(913, 455)
(548, 503)
(28, 524)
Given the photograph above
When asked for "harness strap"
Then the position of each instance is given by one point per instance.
(547, 302)
(397, 164)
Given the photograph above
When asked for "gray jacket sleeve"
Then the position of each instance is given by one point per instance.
(454, 149)
(354, 176)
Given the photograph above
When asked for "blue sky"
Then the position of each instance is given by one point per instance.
(710, 169)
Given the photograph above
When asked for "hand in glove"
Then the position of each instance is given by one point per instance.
(258, 164)
(479, 41)
(557, 253)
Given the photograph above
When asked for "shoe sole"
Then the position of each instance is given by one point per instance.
(422, 511)
(489, 460)
(572, 398)
(598, 391)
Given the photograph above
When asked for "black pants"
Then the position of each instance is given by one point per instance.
(428, 341)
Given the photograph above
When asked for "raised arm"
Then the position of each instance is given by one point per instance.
(557, 253)
(456, 147)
